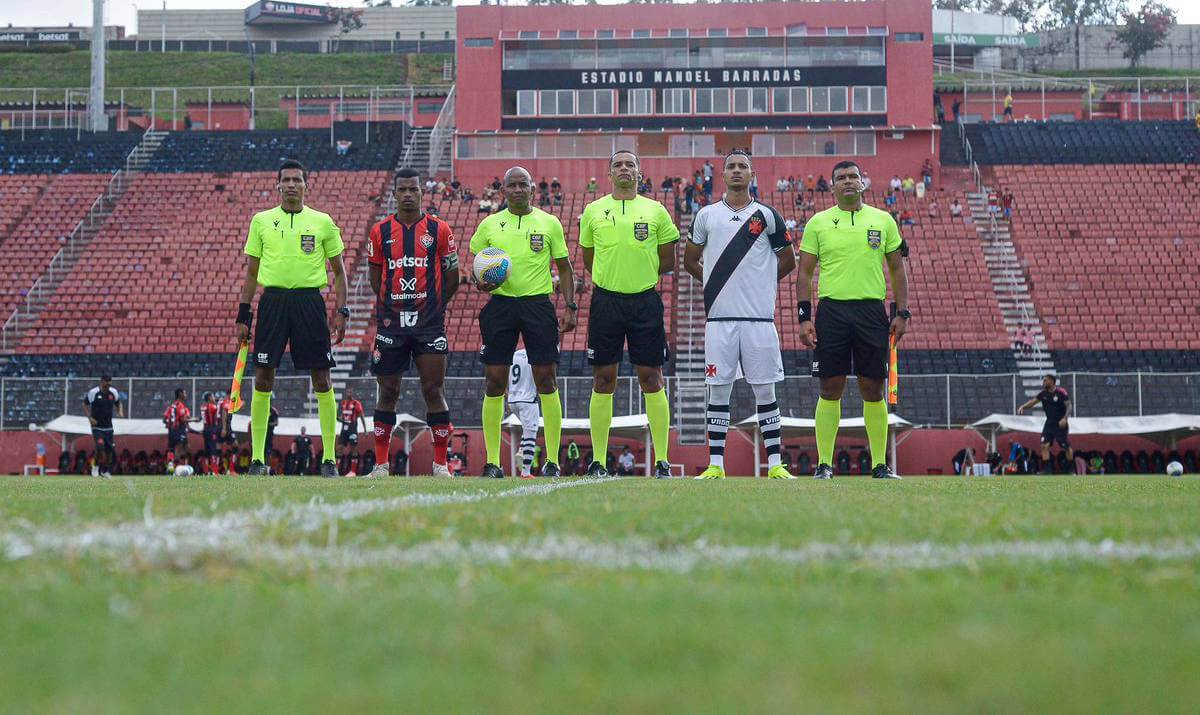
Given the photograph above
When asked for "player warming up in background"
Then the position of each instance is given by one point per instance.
(746, 252)
(520, 308)
(99, 404)
(176, 418)
(851, 242)
(287, 248)
(414, 274)
(628, 241)
(211, 412)
(523, 401)
(1056, 403)
(350, 415)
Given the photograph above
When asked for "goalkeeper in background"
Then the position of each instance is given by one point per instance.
(286, 249)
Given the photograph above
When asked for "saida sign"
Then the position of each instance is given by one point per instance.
(948, 38)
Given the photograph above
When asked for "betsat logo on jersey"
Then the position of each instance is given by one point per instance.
(874, 238)
(308, 243)
(408, 262)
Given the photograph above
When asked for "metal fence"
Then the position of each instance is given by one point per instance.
(1129, 98)
(933, 400)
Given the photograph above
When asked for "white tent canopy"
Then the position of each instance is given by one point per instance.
(637, 426)
(1165, 430)
(793, 427)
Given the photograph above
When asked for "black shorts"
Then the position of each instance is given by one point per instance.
(210, 439)
(1052, 433)
(503, 319)
(636, 318)
(177, 437)
(852, 339)
(348, 436)
(103, 436)
(296, 317)
(394, 354)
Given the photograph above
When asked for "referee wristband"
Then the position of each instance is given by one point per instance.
(804, 309)
(245, 316)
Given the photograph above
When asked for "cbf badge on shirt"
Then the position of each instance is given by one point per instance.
(308, 243)
(874, 238)
(537, 241)
(641, 231)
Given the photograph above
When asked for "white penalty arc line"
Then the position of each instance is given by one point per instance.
(639, 554)
(226, 532)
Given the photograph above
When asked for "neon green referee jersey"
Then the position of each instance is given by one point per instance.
(625, 235)
(292, 247)
(531, 241)
(850, 247)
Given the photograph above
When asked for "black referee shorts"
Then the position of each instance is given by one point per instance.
(636, 318)
(1052, 433)
(296, 317)
(503, 319)
(852, 339)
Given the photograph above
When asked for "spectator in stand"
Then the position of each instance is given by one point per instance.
(938, 109)
(895, 184)
(906, 218)
(933, 208)
(810, 184)
(866, 182)
(555, 187)
(790, 225)
(927, 173)
(822, 184)
(1007, 200)
(799, 201)
(708, 182)
(455, 187)
(909, 185)
(430, 186)
(557, 198)
(754, 187)
(543, 186)
(890, 200)
(707, 170)
(956, 208)
(1008, 106)
(495, 183)
(782, 185)
(689, 198)
(592, 186)
(993, 204)
(920, 189)
(543, 198)
(667, 185)
(1023, 341)
(957, 109)
(485, 206)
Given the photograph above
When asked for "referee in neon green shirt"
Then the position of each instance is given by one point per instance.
(628, 241)
(521, 308)
(287, 248)
(849, 335)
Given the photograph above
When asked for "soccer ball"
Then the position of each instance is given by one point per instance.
(491, 266)
(1174, 469)
(184, 470)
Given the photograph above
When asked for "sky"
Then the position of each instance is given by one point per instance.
(124, 12)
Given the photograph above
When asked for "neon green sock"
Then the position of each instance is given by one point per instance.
(552, 416)
(493, 415)
(600, 416)
(260, 414)
(658, 413)
(327, 411)
(875, 416)
(829, 415)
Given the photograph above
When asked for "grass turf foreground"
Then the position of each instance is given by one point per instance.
(630, 596)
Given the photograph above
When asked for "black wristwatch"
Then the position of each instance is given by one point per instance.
(573, 306)
(344, 311)
(906, 314)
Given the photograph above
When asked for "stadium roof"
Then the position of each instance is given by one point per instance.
(1165, 430)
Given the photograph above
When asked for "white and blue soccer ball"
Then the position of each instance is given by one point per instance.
(1174, 469)
(184, 470)
(491, 266)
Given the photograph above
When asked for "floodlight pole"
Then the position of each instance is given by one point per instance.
(97, 120)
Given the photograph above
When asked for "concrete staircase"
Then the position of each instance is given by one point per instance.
(691, 397)
(44, 288)
(1012, 292)
(416, 154)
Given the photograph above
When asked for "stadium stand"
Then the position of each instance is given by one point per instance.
(1087, 230)
(62, 151)
(263, 151)
(27, 250)
(1094, 142)
(163, 272)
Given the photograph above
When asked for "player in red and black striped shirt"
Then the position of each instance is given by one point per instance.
(414, 273)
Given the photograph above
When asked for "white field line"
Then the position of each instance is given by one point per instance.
(179, 539)
(643, 555)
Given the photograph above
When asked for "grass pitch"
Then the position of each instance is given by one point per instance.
(628, 596)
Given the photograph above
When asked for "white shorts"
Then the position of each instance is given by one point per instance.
(734, 349)
(530, 414)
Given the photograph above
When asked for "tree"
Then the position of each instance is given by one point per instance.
(1145, 30)
(346, 21)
